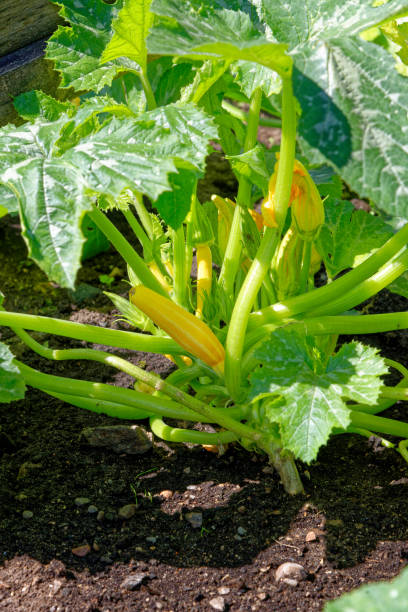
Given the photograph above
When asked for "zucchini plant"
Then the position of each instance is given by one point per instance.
(255, 344)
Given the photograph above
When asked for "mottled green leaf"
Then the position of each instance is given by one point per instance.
(77, 49)
(250, 76)
(130, 31)
(12, 385)
(305, 23)
(138, 153)
(356, 119)
(51, 197)
(8, 201)
(204, 30)
(293, 369)
(33, 104)
(400, 286)
(353, 101)
(376, 597)
(174, 205)
(252, 164)
(204, 78)
(349, 236)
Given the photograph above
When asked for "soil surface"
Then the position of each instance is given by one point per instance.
(176, 528)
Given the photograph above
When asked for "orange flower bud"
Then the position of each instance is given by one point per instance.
(307, 205)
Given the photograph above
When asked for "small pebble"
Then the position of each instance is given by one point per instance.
(195, 519)
(100, 515)
(217, 603)
(187, 470)
(311, 536)
(166, 494)
(241, 509)
(241, 530)
(133, 581)
(81, 501)
(152, 539)
(290, 573)
(27, 514)
(126, 512)
(81, 551)
(223, 590)
(133, 440)
(92, 509)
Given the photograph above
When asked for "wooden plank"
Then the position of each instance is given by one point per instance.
(25, 21)
(22, 71)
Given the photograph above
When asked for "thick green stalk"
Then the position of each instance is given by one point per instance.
(305, 267)
(380, 424)
(233, 250)
(269, 242)
(112, 409)
(143, 213)
(91, 333)
(366, 289)
(344, 324)
(126, 251)
(150, 99)
(154, 381)
(179, 266)
(287, 309)
(127, 399)
(176, 434)
(133, 399)
(239, 113)
(139, 232)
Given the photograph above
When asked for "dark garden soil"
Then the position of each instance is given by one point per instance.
(207, 532)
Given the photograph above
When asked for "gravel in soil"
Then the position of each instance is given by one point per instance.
(176, 528)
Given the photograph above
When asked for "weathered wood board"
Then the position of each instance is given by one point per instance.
(25, 21)
(25, 25)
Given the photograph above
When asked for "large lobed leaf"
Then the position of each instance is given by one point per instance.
(57, 168)
(353, 101)
(203, 30)
(51, 197)
(77, 49)
(130, 32)
(312, 390)
(349, 236)
(377, 597)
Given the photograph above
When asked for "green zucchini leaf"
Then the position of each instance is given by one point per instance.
(313, 388)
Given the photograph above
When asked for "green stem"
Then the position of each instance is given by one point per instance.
(154, 381)
(91, 333)
(133, 399)
(348, 325)
(324, 295)
(179, 266)
(126, 398)
(233, 250)
(305, 267)
(379, 424)
(126, 251)
(402, 448)
(144, 215)
(261, 263)
(368, 434)
(366, 289)
(139, 233)
(150, 99)
(176, 434)
(113, 409)
(239, 113)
